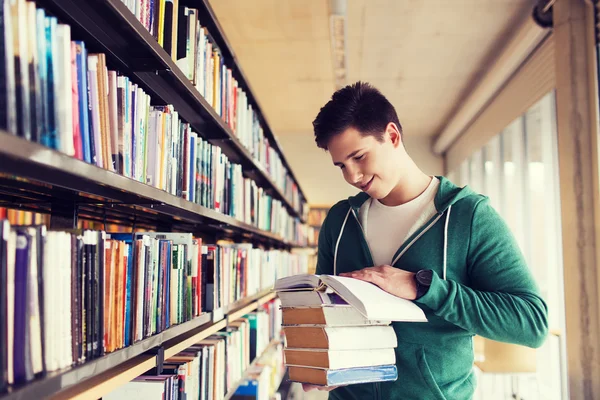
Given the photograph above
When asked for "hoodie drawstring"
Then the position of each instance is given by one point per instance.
(338, 242)
(446, 241)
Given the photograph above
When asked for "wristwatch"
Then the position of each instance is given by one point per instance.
(423, 279)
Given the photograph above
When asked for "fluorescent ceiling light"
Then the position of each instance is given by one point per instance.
(338, 38)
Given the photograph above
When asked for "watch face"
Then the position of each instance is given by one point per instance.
(425, 276)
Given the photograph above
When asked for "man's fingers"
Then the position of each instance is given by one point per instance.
(307, 387)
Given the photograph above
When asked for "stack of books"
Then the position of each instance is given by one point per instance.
(338, 330)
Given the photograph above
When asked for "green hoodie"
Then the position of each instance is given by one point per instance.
(488, 291)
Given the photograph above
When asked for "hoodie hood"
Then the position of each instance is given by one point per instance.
(447, 195)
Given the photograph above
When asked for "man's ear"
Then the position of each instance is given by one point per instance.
(393, 133)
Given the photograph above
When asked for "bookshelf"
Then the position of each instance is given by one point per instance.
(316, 216)
(37, 178)
(109, 27)
(100, 376)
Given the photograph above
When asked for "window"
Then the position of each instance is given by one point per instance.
(518, 171)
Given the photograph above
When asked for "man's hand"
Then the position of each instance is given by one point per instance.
(396, 281)
(307, 387)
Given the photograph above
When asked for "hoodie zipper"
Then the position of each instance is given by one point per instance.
(414, 239)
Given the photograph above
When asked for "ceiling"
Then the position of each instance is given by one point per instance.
(422, 54)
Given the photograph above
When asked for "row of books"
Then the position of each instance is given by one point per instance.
(180, 32)
(23, 217)
(66, 98)
(312, 235)
(317, 215)
(211, 368)
(70, 296)
(262, 380)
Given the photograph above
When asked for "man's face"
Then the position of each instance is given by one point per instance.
(366, 163)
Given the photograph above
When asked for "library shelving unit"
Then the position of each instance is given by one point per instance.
(39, 179)
(316, 216)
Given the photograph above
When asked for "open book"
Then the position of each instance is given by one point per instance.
(370, 300)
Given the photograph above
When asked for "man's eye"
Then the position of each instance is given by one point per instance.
(341, 166)
(358, 158)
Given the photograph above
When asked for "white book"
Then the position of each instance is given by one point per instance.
(10, 294)
(338, 359)
(63, 81)
(34, 323)
(370, 300)
(152, 144)
(50, 301)
(65, 296)
(192, 164)
(141, 135)
(341, 338)
(147, 390)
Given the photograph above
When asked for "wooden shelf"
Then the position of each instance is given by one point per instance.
(98, 377)
(266, 298)
(109, 27)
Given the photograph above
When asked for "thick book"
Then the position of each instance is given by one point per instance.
(340, 338)
(337, 315)
(348, 376)
(311, 298)
(371, 301)
(338, 359)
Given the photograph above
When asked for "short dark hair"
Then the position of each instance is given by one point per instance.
(359, 106)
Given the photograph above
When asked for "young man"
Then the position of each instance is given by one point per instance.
(423, 239)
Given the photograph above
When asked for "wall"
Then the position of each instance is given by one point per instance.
(323, 183)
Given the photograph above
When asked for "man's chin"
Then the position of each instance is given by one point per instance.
(378, 194)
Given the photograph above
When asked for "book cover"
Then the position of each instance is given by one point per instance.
(348, 376)
(23, 368)
(8, 107)
(21, 67)
(77, 132)
(4, 237)
(64, 95)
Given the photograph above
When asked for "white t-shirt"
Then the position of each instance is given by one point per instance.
(386, 228)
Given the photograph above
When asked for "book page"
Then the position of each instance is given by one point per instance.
(373, 302)
(298, 282)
